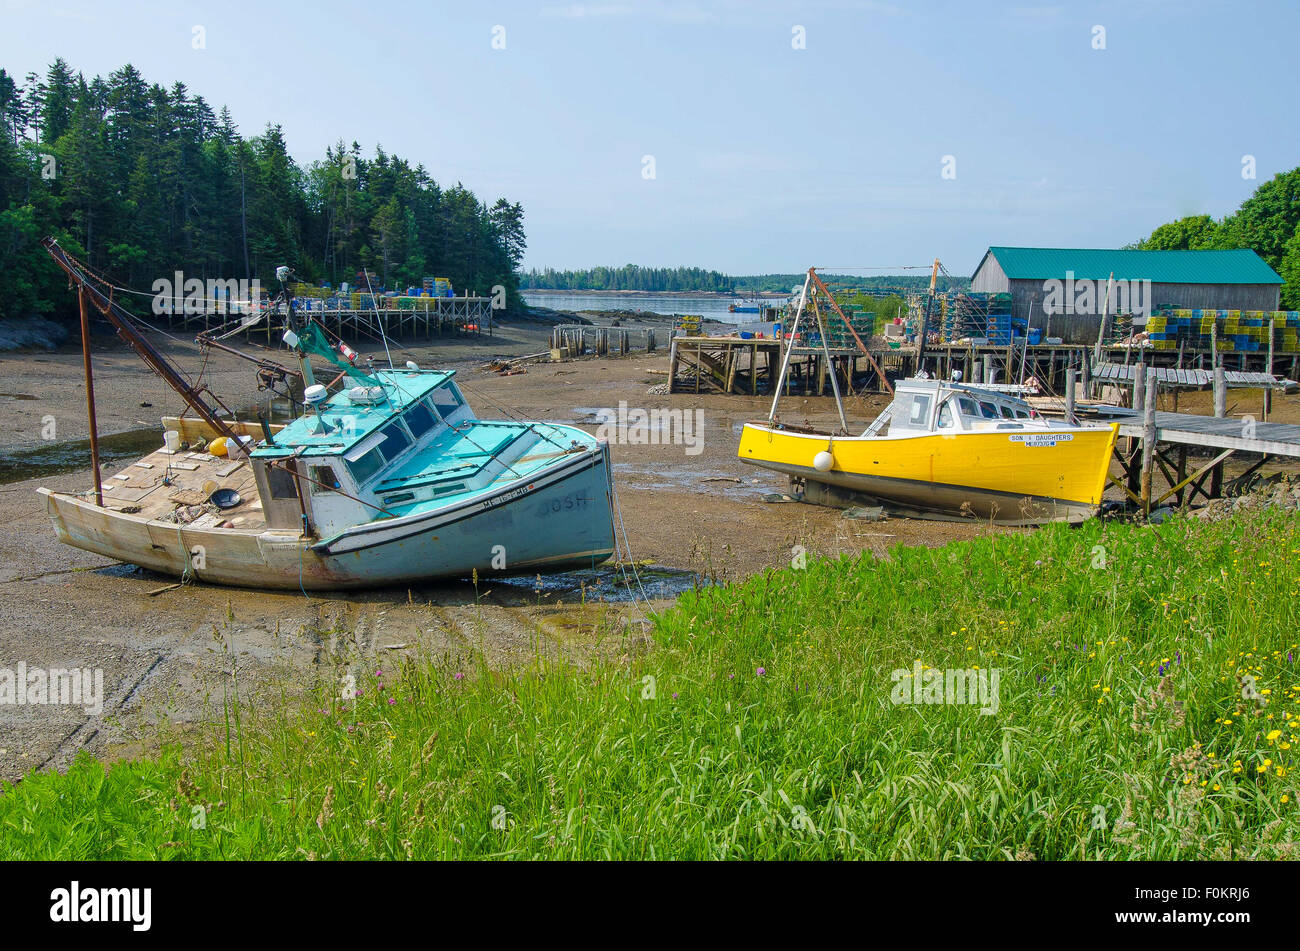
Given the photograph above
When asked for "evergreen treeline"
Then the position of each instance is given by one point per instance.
(1268, 221)
(629, 277)
(142, 181)
(760, 283)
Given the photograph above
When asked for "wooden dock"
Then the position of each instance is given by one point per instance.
(701, 364)
(750, 367)
(1153, 441)
(426, 318)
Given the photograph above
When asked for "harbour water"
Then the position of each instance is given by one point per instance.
(705, 305)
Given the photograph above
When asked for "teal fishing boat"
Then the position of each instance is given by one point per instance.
(388, 479)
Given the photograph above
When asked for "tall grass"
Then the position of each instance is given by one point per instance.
(1148, 709)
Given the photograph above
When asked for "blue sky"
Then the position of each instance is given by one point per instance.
(766, 157)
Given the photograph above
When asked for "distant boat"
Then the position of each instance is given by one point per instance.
(951, 450)
(392, 480)
(939, 449)
(744, 309)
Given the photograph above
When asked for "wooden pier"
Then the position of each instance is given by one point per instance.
(1170, 444)
(577, 340)
(740, 366)
(425, 318)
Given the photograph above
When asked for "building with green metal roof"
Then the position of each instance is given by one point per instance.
(1065, 290)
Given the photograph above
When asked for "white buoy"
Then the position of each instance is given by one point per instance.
(823, 461)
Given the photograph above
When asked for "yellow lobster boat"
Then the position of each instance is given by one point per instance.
(948, 450)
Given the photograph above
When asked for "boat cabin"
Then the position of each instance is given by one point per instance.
(344, 460)
(938, 406)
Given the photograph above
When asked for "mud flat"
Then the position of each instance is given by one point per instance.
(692, 511)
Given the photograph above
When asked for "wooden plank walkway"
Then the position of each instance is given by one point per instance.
(1172, 376)
(1241, 435)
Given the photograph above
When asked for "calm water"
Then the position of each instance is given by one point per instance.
(715, 307)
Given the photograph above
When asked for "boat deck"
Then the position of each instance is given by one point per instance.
(175, 487)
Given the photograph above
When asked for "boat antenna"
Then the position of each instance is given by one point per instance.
(378, 319)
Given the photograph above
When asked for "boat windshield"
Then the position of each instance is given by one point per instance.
(419, 420)
(446, 400)
(946, 417)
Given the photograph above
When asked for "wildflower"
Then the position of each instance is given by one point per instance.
(761, 671)
(459, 675)
(391, 701)
(1285, 799)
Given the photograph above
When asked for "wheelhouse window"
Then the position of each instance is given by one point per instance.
(419, 420)
(920, 410)
(280, 480)
(323, 478)
(446, 400)
(946, 417)
(393, 440)
(1007, 413)
(988, 410)
(366, 465)
(969, 407)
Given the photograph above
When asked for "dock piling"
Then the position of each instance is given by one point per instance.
(1148, 437)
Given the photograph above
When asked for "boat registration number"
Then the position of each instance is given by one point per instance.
(1041, 439)
(507, 496)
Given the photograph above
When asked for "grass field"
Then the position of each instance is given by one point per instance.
(1147, 703)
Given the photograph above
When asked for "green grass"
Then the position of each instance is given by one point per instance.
(1122, 729)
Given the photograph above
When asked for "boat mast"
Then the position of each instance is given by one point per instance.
(848, 323)
(90, 398)
(925, 320)
(830, 364)
(785, 361)
(117, 316)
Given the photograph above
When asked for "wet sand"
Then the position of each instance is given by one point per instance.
(164, 655)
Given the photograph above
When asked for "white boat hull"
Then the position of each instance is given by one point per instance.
(557, 518)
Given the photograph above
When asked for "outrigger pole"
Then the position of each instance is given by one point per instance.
(88, 285)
